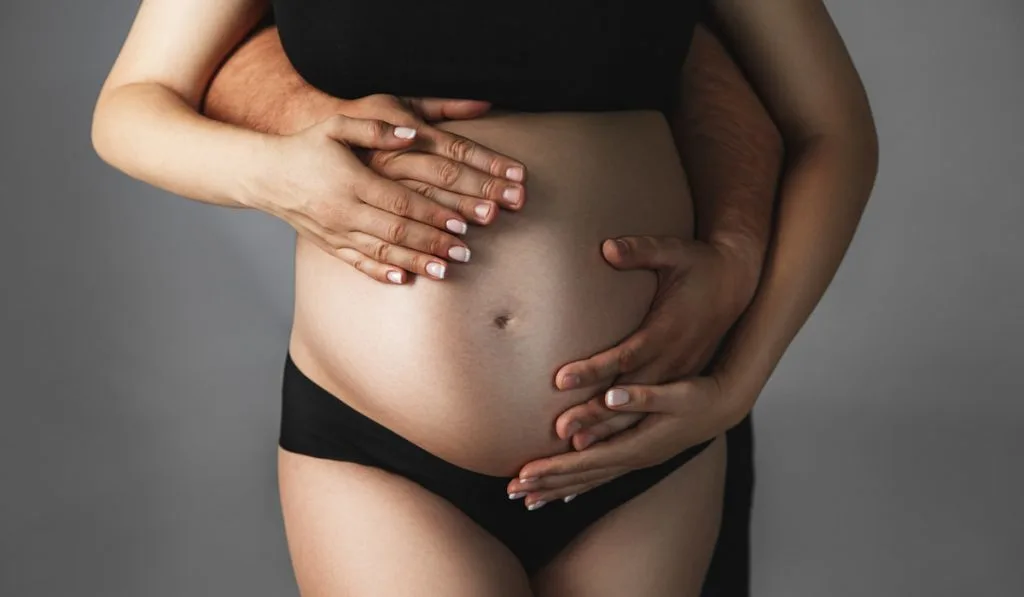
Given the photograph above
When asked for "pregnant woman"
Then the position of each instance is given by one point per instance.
(410, 402)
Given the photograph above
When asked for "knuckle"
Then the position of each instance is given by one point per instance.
(397, 231)
(626, 358)
(376, 128)
(381, 252)
(494, 166)
(436, 244)
(401, 204)
(489, 188)
(419, 263)
(381, 100)
(380, 160)
(337, 120)
(459, 148)
(426, 190)
(448, 172)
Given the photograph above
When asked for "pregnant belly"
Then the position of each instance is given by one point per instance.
(464, 367)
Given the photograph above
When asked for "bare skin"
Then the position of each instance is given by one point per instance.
(723, 124)
(150, 92)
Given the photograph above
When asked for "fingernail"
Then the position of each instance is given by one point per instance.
(570, 381)
(527, 479)
(572, 428)
(512, 195)
(616, 397)
(514, 173)
(459, 254)
(568, 498)
(404, 132)
(536, 505)
(482, 210)
(622, 245)
(436, 269)
(395, 276)
(456, 226)
(517, 495)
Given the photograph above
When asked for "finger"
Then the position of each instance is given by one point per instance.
(532, 500)
(626, 449)
(581, 416)
(373, 269)
(629, 355)
(444, 173)
(616, 423)
(370, 133)
(482, 211)
(670, 398)
(436, 108)
(471, 153)
(518, 488)
(600, 456)
(396, 255)
(403, 202)
(395, 231)
(646, 252)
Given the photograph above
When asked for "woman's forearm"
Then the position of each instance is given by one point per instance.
(732, 152)
(151, 133)
(258, 88)
(823, 194)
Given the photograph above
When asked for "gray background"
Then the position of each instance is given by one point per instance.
(143, 338)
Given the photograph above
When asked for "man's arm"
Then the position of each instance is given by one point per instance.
(732, 152)
(258, 88)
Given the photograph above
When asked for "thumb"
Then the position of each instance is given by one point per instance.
(646, 252)
(436, 108)
(666, 398)
(367, 133)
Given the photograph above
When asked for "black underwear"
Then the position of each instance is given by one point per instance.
(315, 423)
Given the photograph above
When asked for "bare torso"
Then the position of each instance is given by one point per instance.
(465, 367)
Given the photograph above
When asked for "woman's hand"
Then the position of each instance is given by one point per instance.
(315, 182)
(702, 290)
(450, 169)
(682, 414)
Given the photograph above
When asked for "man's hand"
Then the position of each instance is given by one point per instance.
(702, 290)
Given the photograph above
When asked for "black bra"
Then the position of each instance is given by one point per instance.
(528, 55)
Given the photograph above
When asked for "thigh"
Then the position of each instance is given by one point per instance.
(658, 544)
(357, 531)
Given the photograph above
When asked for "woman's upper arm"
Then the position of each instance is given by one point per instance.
(796, 59)
(180, 43)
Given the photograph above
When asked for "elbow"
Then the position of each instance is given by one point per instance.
(100, 131)
(851, 147)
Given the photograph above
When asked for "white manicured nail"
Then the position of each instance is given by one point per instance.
(527, 479)
(568, 498)
(616, 397)
(395, 276)
(404, 132)
(459, 253)
(482, 210)
(456, 226)
(435, 269)
(536, 505)
(512, 195)
(517, 495)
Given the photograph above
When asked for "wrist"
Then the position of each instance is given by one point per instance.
(253, 183)
(306, 107)
(743, 260)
